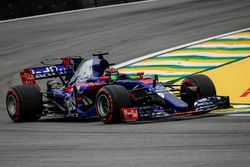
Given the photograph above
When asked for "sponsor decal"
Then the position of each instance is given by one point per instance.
(246, 93)
(43, 72)
(27, 77)
(130, 114)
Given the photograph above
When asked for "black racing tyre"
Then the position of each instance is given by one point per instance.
(109, 100)
(205, 88)
(24, 103)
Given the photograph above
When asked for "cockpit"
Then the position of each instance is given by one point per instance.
(89, 68)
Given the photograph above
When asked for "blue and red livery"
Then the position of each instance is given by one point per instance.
(92, 89)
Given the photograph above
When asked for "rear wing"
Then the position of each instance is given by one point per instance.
(67, 68)
(30, 75)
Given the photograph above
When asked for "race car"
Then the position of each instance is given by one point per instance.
(77, 87)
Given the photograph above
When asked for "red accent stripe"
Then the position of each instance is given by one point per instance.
(66, 61)
(186, 112)
(147, 80)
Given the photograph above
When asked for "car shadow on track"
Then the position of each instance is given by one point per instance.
(176, 118)
(77, 120)
(169, 119)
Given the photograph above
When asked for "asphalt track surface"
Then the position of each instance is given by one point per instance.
(126, 32)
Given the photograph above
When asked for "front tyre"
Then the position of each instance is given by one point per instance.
(24, 103)
(196, 87)
(110, 99)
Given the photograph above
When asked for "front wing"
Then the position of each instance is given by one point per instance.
(154, 112)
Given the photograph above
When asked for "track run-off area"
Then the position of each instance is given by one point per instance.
(130, 32)
(224, 58)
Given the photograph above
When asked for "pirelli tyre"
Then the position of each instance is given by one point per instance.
(109, 100)
(24, 103)
(196, 87)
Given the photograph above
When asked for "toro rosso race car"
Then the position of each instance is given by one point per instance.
(91, 89)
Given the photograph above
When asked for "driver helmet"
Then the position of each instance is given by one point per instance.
(112, 73)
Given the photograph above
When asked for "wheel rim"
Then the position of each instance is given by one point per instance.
(103, 105)
(11, 105)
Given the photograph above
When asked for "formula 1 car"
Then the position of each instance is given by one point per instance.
(91, 89)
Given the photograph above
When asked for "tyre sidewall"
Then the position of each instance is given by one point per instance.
(118, 98)
(16, 117)
(109, 115)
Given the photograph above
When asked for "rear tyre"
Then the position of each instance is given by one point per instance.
(110, 99)
(202, 86)
(24, 103)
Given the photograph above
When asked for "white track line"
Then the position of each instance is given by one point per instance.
(175, 48)
(237, 36)
(75, 11)
(238, 115)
